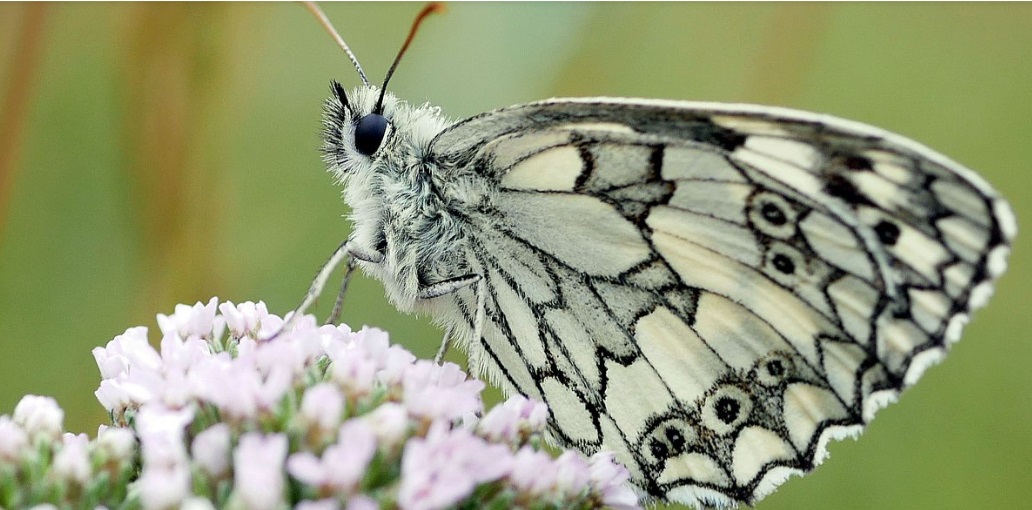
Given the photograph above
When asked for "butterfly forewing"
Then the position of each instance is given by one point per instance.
(712, 291)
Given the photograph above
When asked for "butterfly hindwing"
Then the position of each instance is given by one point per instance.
(713, 291)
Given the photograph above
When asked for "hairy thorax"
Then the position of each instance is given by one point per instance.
(398, 212)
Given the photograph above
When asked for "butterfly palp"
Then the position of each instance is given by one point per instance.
(338, 91)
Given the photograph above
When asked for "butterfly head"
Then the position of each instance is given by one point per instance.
(359, 127)
(363, 132)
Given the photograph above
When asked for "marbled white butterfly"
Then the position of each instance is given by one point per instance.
(711, 291)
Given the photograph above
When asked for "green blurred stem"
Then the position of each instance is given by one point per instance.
(794, 34)
(17, 98)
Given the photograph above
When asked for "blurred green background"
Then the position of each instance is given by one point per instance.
(157, 154)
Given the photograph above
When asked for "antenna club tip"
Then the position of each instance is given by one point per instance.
(428, 9)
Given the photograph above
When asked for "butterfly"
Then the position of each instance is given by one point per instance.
(711, 291)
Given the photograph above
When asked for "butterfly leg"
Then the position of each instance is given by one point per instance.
(478, 322)
(345, 250)
(338, 305)
(443, 349)
(446, 287)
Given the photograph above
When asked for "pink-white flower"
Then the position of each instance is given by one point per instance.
(165, 478)
(132, 371)
(39, 416)
(390, 421)
(342, 465)
(517, 415)
(252, 381)
(237, 388)
(197, 503)
(72, 460)
(210, 450)
(14, 442)
(116, 443)
(116, 397)
(395, 361)
(197, 320)
(304, 323)
(373, 341)
(130, 349)
(233, 392)
(164, 487)
(361, 502)
(609, 480)
(571, 474)
(179, 353)
(161, 432)
(333, 336)
(568, 477)
(291, 355)
(275, 386)
(372, 356)
(319, 504)
(175, 391)
(353, 370)
(533, 411)
(322, 407)
(246, 319)
(215, 380)
(435, 391)
(533, 472)
(446, 466)
(258, 470)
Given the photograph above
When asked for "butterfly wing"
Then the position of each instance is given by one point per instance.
(713, 291)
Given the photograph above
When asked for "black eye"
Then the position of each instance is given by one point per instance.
(369, 133)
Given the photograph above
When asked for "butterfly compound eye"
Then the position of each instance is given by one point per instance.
(369, 133)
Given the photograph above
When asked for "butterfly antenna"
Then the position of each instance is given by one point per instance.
(325, 22)
(430, 8)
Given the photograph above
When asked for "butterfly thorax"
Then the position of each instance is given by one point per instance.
(397, 209)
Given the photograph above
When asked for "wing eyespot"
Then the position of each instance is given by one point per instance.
(772, 215)
(667, 439)
(676, 438)
(726, 409)
(659, 449)
(782, 263)
(774, 369)
(888, 232)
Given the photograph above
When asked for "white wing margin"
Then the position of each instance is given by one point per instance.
(713, 291)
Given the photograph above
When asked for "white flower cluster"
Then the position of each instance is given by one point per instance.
(317, 418)
(42, 465)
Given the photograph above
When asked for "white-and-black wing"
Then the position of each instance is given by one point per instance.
(714, 291)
